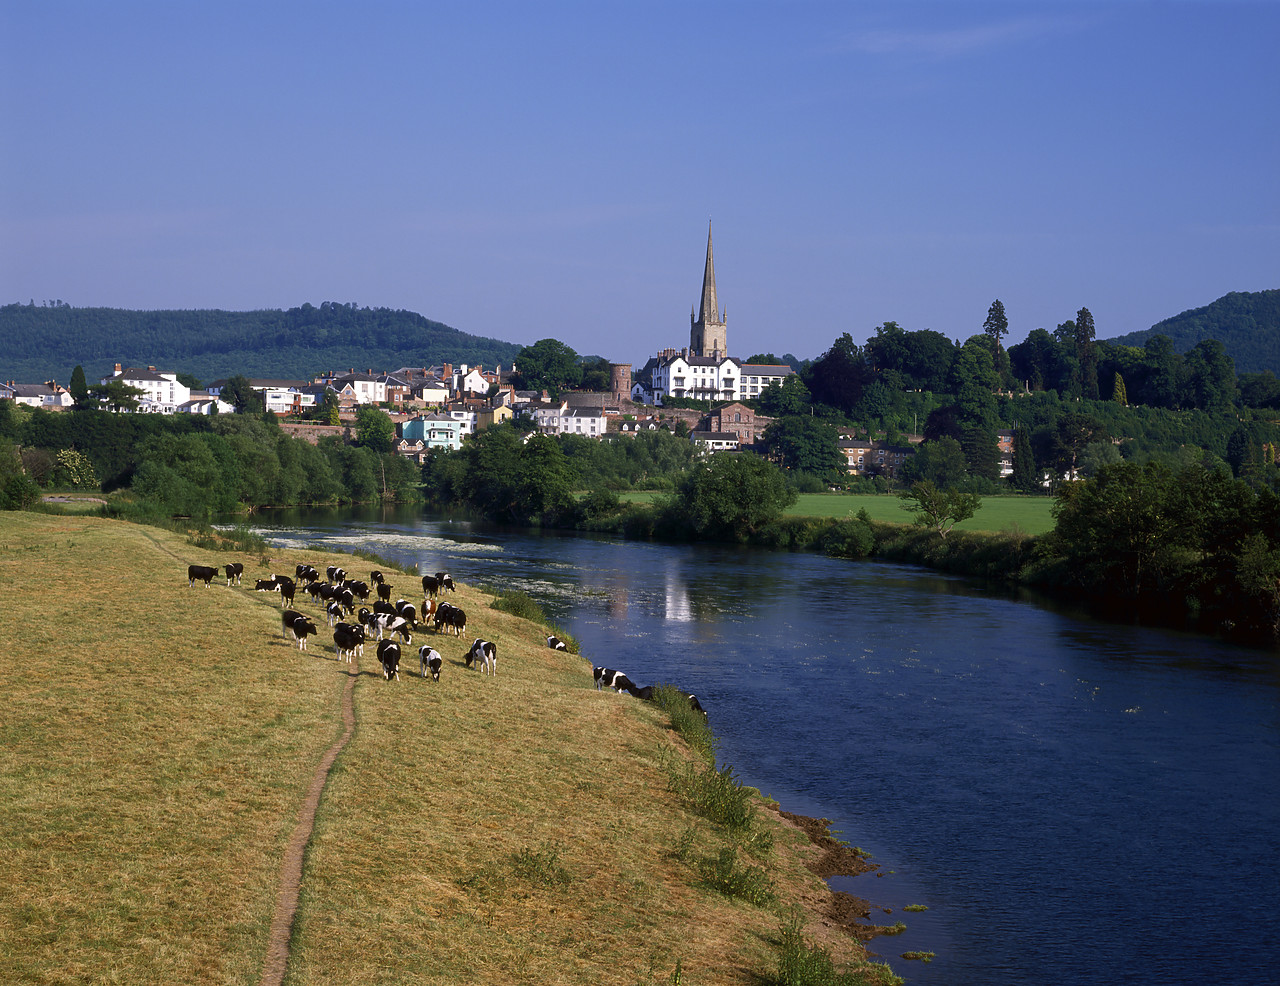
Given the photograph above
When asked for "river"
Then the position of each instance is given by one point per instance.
(1074, 802)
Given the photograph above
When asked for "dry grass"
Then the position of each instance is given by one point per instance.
(158, 740)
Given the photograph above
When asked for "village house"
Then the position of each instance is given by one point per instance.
(47, 395)
(162, 393)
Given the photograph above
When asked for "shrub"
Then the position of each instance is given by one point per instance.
(519, 604)
(688, 723)
(802, 964)
(722, 873)
(716, 795)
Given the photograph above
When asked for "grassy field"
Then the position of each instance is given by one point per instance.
(1030, 514)
(158, 740)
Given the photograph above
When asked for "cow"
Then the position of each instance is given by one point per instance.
(376, 577)
(333, 613)
(287, 588)
(234, 571)
(609, 678)
(443, 581)
(348, 640)
(407, 610)
(429, 586)
(450, 619)
(429, 607)
(359, 589)
(484, 655)
(389, 624)
(297, 624)
(382, 606)
(305, 573)
(384, 591)
(433, 585)
(430, 659)
(204, 573)
(555, 643)
(389, 657)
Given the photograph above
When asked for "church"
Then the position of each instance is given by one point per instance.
(704, 370)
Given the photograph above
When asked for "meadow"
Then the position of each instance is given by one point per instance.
(520, 828)
(1027, 514)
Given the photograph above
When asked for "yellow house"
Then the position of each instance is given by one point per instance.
(494, 416)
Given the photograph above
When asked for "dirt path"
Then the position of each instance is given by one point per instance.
(277, 960)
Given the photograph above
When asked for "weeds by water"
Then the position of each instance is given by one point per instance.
(744, 881)
(803, 964)
(716, 795)
(690, 724)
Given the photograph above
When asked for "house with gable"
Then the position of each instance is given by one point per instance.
(162, 393)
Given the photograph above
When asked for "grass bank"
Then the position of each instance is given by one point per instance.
(526, 828)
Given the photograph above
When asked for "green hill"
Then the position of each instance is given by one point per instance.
(43, 343)
(1247, 323)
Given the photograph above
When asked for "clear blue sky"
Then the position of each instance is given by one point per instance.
(534, 169)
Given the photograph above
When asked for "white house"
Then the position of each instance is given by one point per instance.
(709, 378)
(565, 420)
(47, 395)
(162, 393)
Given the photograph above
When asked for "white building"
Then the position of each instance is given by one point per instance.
(566, 420)
(161, 391)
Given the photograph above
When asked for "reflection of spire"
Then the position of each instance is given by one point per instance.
(677, 599)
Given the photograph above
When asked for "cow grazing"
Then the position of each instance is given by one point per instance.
(432, 660)
(333, 613)
(203, 573)
(484, 655)
(407, 611)
(450, 619)
(389, 657)
(388, 624)
(555, 643)
(300, 626)
(234, 571)
(382, 606)
(348, 641)
(429, 607)
(376, 577)
(384, 591)
(443, 581)
(306, 574)
(617, 680)
(430, 586)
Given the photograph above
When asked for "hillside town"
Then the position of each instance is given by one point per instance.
(437, 407)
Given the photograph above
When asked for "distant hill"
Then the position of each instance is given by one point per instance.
(1247, 323)
(43, 343)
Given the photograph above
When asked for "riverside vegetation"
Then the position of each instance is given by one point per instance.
(525, 828)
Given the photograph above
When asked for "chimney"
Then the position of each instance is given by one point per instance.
(118, 369)
(152, 369)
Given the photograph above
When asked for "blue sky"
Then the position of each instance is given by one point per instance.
(525, 170)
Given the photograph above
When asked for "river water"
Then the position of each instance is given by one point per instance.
(1074, 802)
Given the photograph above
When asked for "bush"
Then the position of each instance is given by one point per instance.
(802, 964)
(716, 795)
(17, 492)
(519, 604)
(722, 873)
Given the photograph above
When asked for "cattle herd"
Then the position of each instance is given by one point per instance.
(382, 622)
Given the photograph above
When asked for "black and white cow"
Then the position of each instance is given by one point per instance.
(287, 589)
(609, 678)
(202, 573)
(445, 582)
(407, 610)
(306, 574)
(450, 619)
(484, 655)
(432, 660)
(300, 626)
(555, 643)
(348, 641)
(234, 571)
(389, 657)
(376, 577)
(333, 613)
(384, 591)
(388, 624)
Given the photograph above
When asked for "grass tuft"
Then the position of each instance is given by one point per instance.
(803, 964)
(722, 873)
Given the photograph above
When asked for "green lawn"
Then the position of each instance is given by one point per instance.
(1031, 514)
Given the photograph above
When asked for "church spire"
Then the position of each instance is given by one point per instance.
(707, 335)
(710, 311)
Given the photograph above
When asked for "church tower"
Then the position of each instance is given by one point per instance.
(707, 336)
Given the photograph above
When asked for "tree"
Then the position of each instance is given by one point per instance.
(1087, 353)
(1118, 393)
(1071, 435)
(805, 444)
(374, 429)
(838, 377)
(238, 393)
(939, 509)
(117, 395)
(79, 390)
(939, 462)
(766, 359)
(789, 397)
(973, 380)
(1122, 531)
(997, 324)
(730, 496)
(1211, 377)
(548, 365)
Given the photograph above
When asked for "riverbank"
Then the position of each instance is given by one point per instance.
(498, 829)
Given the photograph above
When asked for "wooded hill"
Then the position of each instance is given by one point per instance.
(1247, 323)
(47, 342)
